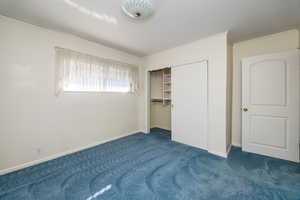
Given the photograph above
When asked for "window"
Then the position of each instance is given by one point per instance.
(76, 72)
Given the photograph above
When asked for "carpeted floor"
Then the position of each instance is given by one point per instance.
(153, 167)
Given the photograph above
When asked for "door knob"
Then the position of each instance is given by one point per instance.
(245, 109)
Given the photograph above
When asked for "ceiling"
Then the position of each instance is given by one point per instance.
(175, 22)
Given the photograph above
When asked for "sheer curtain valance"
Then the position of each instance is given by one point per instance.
(77, 72)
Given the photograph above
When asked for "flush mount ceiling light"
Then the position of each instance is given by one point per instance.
(138, 9)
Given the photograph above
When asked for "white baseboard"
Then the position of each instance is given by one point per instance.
(39, 161)
(228, 149)
(236, 145)
(221, 154)
(162, 127)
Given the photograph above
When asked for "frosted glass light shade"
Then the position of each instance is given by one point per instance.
(138, 9)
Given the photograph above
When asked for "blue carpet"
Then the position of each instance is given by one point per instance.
(153, 167)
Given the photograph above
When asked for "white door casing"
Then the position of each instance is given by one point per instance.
(189, 104)
(270, 124)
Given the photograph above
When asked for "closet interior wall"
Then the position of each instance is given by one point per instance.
(160, 107)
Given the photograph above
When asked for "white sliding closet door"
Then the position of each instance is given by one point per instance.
(189, 97)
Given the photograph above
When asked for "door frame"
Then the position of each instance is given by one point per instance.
(147, 99)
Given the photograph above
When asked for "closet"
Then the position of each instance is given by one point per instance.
(160, 92)
(179, 102)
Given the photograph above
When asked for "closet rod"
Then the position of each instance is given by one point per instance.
(179, 65)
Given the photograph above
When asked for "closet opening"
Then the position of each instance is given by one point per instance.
(161, 100)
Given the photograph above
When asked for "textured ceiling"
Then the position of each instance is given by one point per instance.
(175, 22)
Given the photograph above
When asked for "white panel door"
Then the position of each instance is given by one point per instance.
(189, 100)
(271, 105)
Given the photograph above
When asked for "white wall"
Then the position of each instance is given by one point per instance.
(280, 42)
(229, 95)
(214, 49)
(299, 37)
(160, 116)
(156, 81)
(34, 123)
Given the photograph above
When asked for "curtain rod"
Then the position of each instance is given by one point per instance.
(106, 59)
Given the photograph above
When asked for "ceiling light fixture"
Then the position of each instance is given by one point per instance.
(138, 9)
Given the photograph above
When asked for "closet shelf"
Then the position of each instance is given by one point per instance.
(157, 100)
(161, 86)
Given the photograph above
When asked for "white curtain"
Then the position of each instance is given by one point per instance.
(77, 72)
